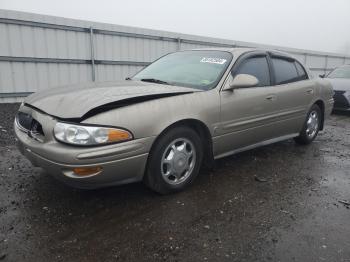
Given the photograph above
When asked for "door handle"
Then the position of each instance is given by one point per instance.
(310, 91)
(271, 97)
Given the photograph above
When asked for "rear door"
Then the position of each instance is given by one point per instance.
(294, 93)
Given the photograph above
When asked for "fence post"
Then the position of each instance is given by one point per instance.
(178, 44)
(92, 48)
(326, 65)
(305, 58)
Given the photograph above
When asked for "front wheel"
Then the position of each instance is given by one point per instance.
(311, 126)
(174, 161)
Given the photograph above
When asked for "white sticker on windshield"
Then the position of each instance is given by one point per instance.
(213, 60)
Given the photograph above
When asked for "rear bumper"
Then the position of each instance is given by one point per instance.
(121, 163)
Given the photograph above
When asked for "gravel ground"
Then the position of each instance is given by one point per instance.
(282, 202)
(7, 113)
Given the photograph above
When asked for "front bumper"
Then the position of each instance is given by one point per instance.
(341, 101)
(121, 163)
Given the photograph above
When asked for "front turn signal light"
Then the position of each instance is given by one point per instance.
(87, 171)
(116, 135)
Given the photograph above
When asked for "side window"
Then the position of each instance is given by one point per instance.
(285, 71)
(301, 71)
(258, 67)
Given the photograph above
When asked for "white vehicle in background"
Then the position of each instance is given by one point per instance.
(340, 80)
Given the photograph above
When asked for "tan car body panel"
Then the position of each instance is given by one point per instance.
(237, 120)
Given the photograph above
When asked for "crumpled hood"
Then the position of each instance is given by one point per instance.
(76, 101)
(340, 84)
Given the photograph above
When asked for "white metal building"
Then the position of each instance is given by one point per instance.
(39, 52)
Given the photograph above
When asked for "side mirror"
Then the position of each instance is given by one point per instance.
(322, 76)
(243, 81)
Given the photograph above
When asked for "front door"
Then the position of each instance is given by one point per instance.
(247, 114)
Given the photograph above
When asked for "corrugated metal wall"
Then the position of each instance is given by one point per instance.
(39, 52)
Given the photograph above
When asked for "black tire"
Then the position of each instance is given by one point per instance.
(154, 177)
(304, 137)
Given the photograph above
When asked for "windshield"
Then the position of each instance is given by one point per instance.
(196, 69)
(340, 72)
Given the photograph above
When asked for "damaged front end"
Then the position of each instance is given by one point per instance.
(83, 101)
(37, 119)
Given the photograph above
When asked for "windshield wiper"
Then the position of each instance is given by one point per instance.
(153, 80)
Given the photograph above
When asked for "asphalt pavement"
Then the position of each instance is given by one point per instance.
(282, 202)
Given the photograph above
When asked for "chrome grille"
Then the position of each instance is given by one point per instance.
(24, 121)
(31, 126)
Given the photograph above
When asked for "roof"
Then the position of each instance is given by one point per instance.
(241, 50)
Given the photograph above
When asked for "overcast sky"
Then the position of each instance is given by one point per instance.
(322, 25)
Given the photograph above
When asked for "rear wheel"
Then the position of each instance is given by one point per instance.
(311, 126)
(174, 161)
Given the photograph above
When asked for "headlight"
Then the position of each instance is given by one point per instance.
(89, 135)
